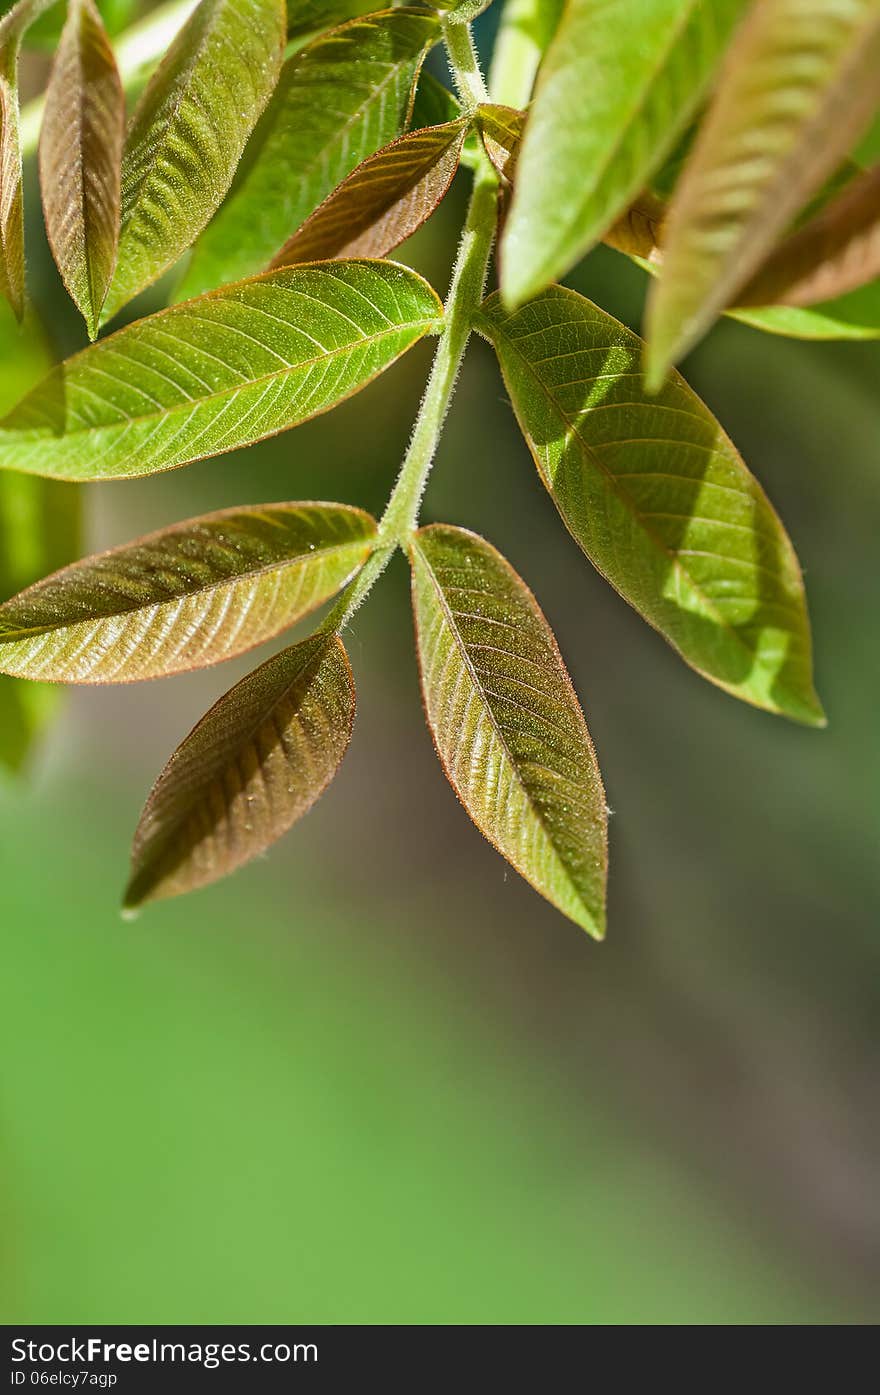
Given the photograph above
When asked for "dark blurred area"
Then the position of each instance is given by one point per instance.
(374, 1078)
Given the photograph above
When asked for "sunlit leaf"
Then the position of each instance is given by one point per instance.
(798, 87)
(506, 721)
(184, 597)
(188, 132)
(836, 252)
(251, 767)
(501, 129)
(339, 100)
(384, 201)
(12, 28)
(659, 499)
(618, 85)
(219, 372)
(39, 531)
(80, 155)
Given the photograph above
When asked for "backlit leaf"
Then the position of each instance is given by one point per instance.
(836, 252)
(251, 767)
(619, 84)
(185, 597)
(219, 372)
(12, 28)
(502, 130)
(659, 499)
(384, 201)
(188, 132)
(80, 155)
(798, 87)
(506, 721)
(339, 100)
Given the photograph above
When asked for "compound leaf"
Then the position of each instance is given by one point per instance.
(339, 100)
(219, 372)
(250, 768)
(80, 155)
(618, 86)
(798, 87)
(384, 201)
(838, 251)
(659, 499)
(184, 597)
(506, 722)
(188, 133)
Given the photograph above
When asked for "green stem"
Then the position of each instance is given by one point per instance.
(464, 65)
(463, 300)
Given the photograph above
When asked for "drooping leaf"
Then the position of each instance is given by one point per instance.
(39, 530)
(384, 201)
(659, 499)
(188, 132)
(185, 597)
(836, 252)
(618, 86)
(798, 87)
(219, 372)
(251, 767)
(80, 158)
(506, 721)
(12, 28)
(339, 100)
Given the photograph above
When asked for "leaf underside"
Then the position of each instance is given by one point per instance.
(506, 721)
(80, 153)
(253, 765)
(658, 498)
(617, 87)
(339, 100)
(797, 88)
(219, 372)
(188, 133)
(185, 597)
(384, 201)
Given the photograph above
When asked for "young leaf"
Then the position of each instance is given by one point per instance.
(39, 530)
(506, 721)
(836, 252)
(618, 86)
(501, 129)
(339, 100)
(80, 155)
(185, 597)
(12, 28)
(798, 87)
(251, 767)
(219, 372)
(188, 132)
(384, 201)
(659, 499)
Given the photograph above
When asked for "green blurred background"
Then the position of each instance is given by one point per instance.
(374, 1078)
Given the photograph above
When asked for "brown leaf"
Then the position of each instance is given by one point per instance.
(836, 252)
(254, 764)
(382, 202)
(80, 159)
(12, 28)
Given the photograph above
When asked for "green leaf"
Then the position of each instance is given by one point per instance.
(339, 100)
(506, 721)
(184, 597)
(251, 767)
(433, 103)
(308, 17)
(659, 499)
(618, 86)
(12, 28)
(384, 201)
(80, 156)
(836, 252)
(219, 372)
(39, 530)
(798, 88)
(188, 133)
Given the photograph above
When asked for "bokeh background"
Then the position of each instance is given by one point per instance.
(374, 1078)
